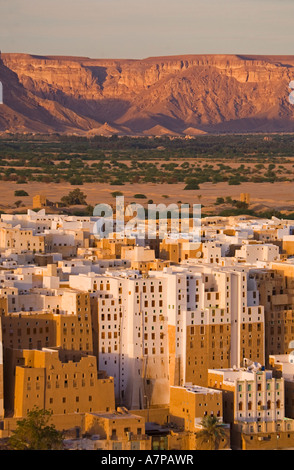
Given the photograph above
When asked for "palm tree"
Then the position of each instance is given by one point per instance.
(212, 431)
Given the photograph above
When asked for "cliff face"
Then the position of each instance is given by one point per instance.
(189, 94)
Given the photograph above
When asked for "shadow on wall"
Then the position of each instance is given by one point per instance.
(139, 383)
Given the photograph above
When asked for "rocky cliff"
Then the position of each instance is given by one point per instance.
(162, 95)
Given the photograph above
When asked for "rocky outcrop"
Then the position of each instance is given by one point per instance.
(207, 93)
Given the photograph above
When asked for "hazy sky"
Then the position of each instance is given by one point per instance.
(144, 28)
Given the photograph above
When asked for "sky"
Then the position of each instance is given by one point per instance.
(137, 29)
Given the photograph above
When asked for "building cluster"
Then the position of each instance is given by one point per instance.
(132, 342)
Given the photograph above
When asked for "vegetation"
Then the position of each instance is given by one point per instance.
(212, 432)
(230, 159)
(233, 202)
(74, 198)
(140, 196)
(219, 200)
(119, 160)
(192, 184)
(35, 432)
(87, 212)
(20, 192)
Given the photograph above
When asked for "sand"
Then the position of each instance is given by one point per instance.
(272, 195)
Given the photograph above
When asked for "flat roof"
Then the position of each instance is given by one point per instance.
(115, 415)
(197, 389)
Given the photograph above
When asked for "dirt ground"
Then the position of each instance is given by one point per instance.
(263, 195)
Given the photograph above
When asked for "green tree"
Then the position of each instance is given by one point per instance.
(20, 192)
(35, 432)
(241, 205)
(212, 432)
(140, 196)
(74, 198)
(234, 181)
(191, 184)
(219, 200)
(89, 210)
(76, 181)
(117, 182)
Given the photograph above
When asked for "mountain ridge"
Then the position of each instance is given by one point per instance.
(205, 93)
